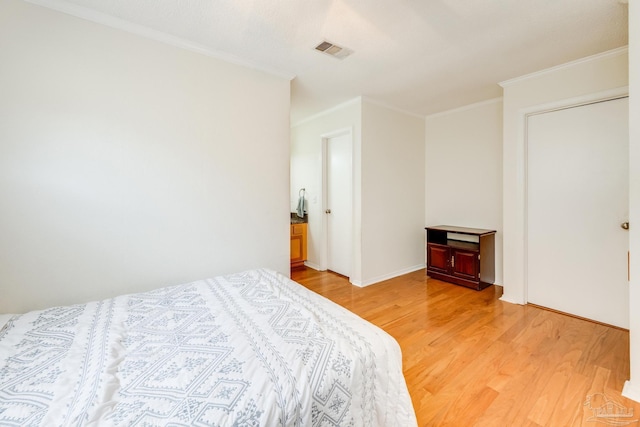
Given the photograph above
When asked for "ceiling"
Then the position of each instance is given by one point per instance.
(420, 56)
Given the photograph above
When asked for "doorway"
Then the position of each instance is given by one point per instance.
(576, 207)
(337, 149)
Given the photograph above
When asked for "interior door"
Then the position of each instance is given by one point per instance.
(339, 203)
(577, 199)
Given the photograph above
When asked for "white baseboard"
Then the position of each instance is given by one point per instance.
(383, 277)
(312, 265)
(502, 298)
(631, 391)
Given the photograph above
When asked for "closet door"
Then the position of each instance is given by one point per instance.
(339, 211)
(577, 199)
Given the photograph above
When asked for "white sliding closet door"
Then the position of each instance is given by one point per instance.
(577, 199)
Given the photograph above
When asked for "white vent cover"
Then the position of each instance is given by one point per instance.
(333, 50)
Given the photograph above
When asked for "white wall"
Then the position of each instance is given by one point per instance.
(632, 387)
(127, 164)
(464, 170)
(392, 193)
(388, 186)
(306, 172)
(581, 78)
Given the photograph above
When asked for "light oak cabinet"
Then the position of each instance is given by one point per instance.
(461, 255)
(298, 245)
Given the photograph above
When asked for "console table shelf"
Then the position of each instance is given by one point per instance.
(461, 255)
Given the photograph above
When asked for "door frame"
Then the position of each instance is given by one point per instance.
(324, 240)
(520, 295)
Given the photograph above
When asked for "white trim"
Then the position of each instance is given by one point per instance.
(624, 50)
(140, 30)
(312, 265)
(465, 107)
(522, 143)
(510, 301)
(391, 107)
(354, 101)
(606, 95)
(369, 282)
(327, 111)
(337, 132)
(631, 391)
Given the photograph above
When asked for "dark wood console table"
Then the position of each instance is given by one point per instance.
(461, 255)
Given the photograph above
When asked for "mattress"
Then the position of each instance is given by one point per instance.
(4, 318)
(252, 348)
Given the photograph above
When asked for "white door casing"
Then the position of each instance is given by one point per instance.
(577, 198)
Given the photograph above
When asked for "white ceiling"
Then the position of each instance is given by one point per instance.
(422, 56)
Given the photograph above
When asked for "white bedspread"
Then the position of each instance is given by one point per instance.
(252, 349)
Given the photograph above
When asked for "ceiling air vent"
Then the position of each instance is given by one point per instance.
(334, 50)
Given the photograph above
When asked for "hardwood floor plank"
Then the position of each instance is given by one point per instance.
(470, 359)
(568, 410)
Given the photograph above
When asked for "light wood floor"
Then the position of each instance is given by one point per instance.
(472, 360)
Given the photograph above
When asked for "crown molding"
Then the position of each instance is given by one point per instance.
(465, 107)
(624, 50)
(391, 107)
(355, 100)
(327, 111)
(146, 32)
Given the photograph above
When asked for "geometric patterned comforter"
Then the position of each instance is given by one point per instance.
(247, 349)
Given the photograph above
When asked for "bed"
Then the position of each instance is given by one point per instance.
(247, 349)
